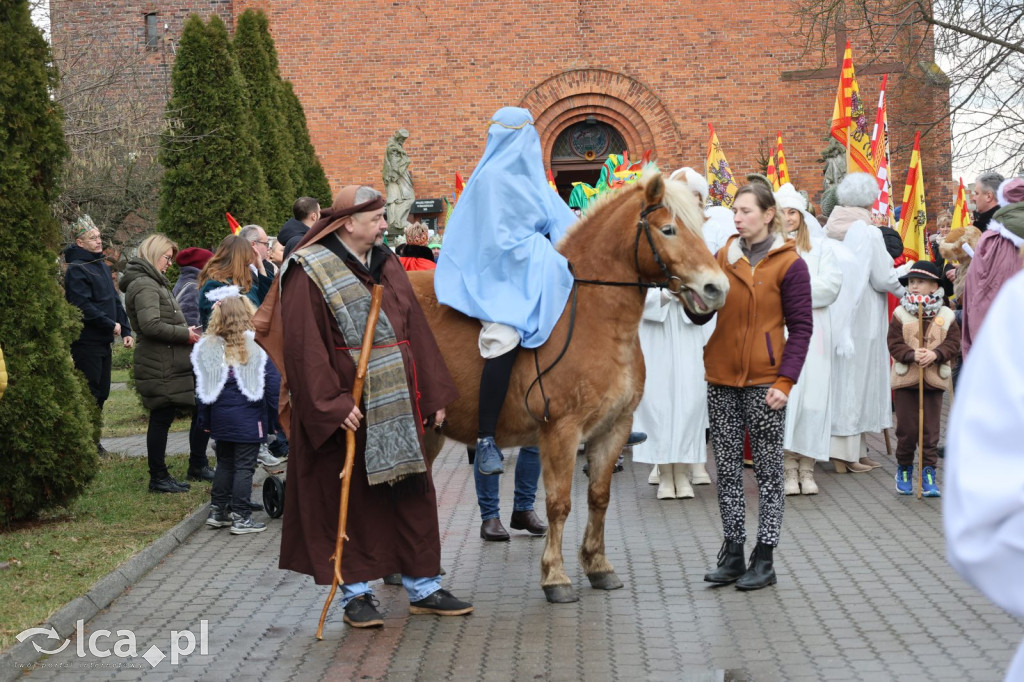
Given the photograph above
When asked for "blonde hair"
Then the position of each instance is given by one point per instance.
(230, 264)
(152, 248)
(803, 235)
(230, 319)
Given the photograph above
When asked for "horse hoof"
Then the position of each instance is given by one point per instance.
(605, 581)
(560, 594)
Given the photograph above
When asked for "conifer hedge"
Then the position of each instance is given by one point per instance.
(254, 50)
(314, 180)
(210, 154)
(47, 417)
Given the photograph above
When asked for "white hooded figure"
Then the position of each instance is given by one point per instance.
(809, 410)
(861, 400)
(984, 498)
(673, 411)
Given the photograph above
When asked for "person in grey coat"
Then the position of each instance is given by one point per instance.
(186, 289)
(162, 367)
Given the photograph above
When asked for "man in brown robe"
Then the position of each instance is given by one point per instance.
(391, 528)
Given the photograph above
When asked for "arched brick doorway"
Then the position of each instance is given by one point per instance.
(600, 97)
(580, 150)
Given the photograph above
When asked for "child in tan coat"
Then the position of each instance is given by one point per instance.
(910, 358)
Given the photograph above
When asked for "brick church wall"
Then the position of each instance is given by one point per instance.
(658, 71)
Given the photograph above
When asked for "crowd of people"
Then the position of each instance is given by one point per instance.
(821, 338)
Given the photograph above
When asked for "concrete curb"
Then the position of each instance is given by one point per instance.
(22, 655)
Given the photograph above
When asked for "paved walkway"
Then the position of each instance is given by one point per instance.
(864, 593)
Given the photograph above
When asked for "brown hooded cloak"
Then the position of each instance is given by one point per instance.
(391, 529)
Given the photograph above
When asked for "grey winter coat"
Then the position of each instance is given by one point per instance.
(163, 370)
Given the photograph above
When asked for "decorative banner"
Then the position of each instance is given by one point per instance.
(551, 180)
(773, 176)
(781, 168)
(849, 122)
(880, 153)
(961, 216)
(722, 186)
(459, 186)
(233, 224)
(615, 173)
(913, 216)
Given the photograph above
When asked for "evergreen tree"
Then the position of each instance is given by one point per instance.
(47, 432)
(253, 48)
(210, 156)
(314, 180)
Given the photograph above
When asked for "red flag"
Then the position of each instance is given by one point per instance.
(551, 180)
(459, 186)
(849, 125)
(961, 216)
(233, 224)
(782, 169)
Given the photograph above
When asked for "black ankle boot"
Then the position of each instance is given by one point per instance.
(760, 572)
(730, 564)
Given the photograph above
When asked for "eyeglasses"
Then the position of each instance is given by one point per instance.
(169, 259)
(262, 243)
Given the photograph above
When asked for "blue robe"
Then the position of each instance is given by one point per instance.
(498, 262)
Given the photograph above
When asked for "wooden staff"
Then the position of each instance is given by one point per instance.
(920, 403)
(350, 449)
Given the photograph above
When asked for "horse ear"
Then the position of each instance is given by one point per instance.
(654, 189)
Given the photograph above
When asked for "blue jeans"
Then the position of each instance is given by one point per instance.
(527, 475)
(416, 588)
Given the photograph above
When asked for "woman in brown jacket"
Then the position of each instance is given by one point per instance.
(750, 367)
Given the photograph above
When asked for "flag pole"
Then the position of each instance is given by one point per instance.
(920, 403)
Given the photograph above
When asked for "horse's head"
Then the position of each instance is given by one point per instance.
(670, 245)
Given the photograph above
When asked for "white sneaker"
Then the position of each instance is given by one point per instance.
(266, 458)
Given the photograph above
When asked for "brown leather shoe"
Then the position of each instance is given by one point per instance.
(868, 462)
(528, 521)
(492, 531)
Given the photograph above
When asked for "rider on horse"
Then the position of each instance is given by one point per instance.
(499, 263)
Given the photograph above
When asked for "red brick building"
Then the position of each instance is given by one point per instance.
(650, 74)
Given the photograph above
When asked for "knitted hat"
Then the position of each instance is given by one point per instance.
(924, 269)
(1011, 191)
(788, 197)
(193, 257)
(694, 180)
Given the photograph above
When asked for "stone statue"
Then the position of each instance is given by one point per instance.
(834, 158)
(397, 182)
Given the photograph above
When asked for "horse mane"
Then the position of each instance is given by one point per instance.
(678, 199)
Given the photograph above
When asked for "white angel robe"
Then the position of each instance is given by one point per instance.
(984, 496)
(861, 401)
(674, 410)
(809, 410)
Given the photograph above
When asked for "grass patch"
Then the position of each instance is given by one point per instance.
(59, 556)
(119, 376)
(124, 415)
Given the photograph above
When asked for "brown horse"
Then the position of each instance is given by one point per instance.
(594, 388)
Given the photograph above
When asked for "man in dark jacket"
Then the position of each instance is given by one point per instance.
(306, 211)
(186, 289)
(983, 194)
(89, 286)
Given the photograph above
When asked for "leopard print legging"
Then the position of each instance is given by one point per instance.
(733, 411)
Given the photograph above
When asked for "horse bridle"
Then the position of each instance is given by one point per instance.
(643, 226)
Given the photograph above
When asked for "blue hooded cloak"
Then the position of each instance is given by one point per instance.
(499, 262)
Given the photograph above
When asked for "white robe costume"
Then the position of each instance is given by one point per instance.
(809, 410)
(674, 410)
(984, 500)
(861, 401)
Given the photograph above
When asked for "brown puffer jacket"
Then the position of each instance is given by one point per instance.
(163, 369)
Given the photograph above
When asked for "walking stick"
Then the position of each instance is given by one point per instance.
(888, 445)
(920, 404)
(350, 450)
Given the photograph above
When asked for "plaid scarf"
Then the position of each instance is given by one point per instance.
(392, 437)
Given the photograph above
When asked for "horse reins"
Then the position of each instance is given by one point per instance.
(643, 225)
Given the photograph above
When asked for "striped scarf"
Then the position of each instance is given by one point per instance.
(392, 437)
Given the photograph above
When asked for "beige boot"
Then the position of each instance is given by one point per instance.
(699, 474)
(791, 479)
(654, 478)
(681, 474)
(667, 484)
(807, 484)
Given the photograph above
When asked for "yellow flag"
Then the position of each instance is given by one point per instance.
(781, 168)
(849, 120)
(722, 185)
(961, 216)
(913, 216)
(772, 174)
